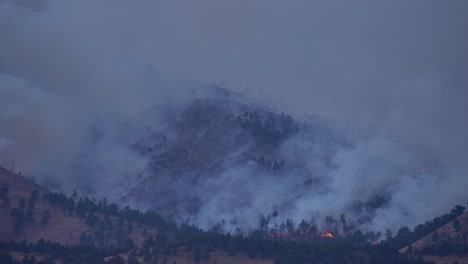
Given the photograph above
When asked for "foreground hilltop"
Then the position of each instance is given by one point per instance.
(30, 212)
(446, 245)
(38, 226)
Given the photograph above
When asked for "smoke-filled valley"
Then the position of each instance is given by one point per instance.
(349, 113)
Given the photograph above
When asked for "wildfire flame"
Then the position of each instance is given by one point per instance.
(326, 234)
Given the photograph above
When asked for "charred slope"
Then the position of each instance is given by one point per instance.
(205, 137)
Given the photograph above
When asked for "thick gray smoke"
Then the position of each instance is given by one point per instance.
(326, 178)
(75, 74)
(66, 93)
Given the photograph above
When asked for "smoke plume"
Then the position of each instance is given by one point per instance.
(76, 76)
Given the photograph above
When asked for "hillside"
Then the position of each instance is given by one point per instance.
(456, 230)
(61, 226)
(445, 245)
(201, 141)
(153, 240)
(67, 228)
(204, 167)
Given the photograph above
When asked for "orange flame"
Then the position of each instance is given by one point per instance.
(326, 234)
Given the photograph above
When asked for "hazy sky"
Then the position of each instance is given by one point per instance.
(397, 67)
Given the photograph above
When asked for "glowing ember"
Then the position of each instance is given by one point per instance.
(326, 234)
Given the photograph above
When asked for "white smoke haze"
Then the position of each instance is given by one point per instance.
(77, 76)
(357, 173)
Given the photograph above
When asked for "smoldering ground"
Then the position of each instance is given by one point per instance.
(73, 74)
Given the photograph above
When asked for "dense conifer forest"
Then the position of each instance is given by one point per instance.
(289, 243)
